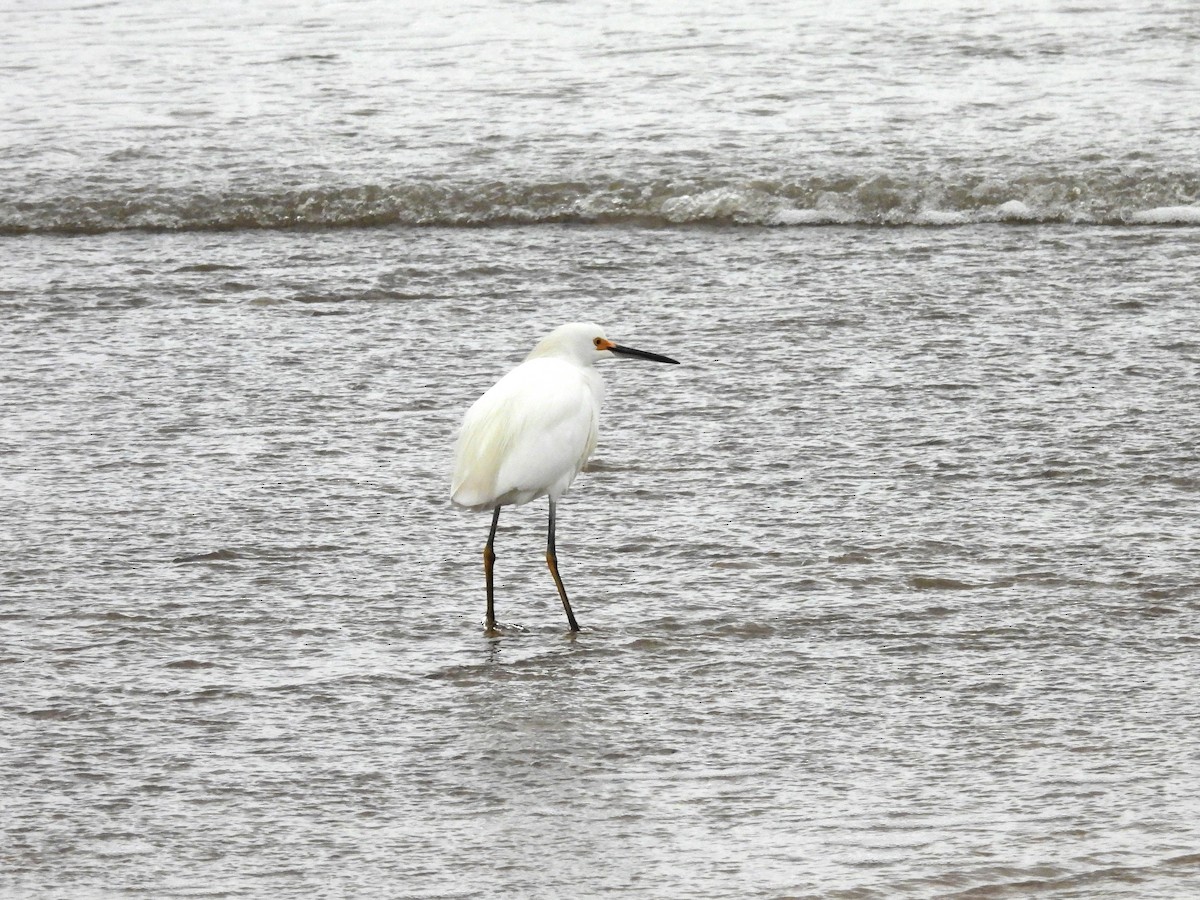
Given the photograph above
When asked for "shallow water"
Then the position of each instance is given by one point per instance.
(889, 590)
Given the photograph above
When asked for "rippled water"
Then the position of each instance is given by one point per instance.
(889, 590)
(271, 115)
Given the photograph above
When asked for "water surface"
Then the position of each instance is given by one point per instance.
(888, 591)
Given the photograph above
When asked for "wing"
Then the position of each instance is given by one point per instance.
(528, 436)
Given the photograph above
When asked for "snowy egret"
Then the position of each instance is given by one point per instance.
(531, 432)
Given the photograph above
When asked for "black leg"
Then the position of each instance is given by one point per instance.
(489, 557)
(552, 562)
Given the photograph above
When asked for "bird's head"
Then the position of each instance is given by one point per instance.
(585, 343)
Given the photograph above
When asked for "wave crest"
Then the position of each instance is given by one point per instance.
(1105, 198)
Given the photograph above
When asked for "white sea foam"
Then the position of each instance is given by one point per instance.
(941, 217)
(1167, 215)
(1014, 210)
(807, 217)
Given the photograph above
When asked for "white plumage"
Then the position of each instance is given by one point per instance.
(529, 435)
(532, 432)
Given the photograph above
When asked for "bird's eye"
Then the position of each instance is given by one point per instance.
(598, 341)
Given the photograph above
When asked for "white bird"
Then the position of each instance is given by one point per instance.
(532, 432)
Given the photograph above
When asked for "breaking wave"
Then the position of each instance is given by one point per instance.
(1098, 198)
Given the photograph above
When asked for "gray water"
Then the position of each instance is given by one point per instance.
(888, 591)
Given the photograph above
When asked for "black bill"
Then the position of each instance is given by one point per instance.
(642, 354)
